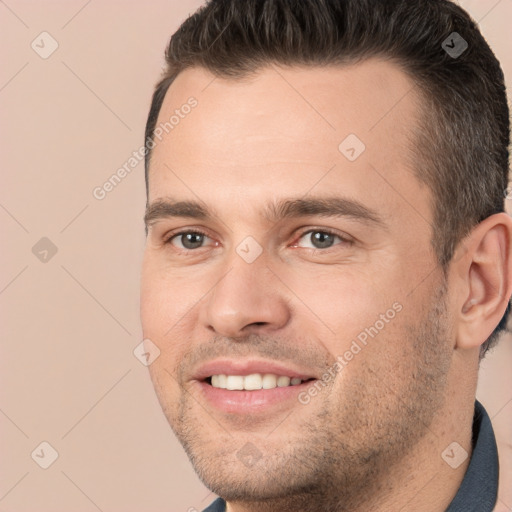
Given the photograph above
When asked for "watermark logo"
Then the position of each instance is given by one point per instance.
(249, 249)
(44, 45)
(248, 455)
(44, 455)
(454, 455)
(44, 250)
(454, 45)
(351, 147)
(146, 352)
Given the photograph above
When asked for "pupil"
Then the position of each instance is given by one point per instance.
(320, 239)
(189, 240)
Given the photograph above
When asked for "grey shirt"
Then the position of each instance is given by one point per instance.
(478, 491)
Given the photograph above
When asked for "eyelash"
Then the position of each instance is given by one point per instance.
(344, 239)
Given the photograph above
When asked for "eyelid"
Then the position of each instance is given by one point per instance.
(342, 236)
(346, 239)
(173, 234)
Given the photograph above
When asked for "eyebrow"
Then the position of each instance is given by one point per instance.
(273, 211)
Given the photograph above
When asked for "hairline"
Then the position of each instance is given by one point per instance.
(418, 90)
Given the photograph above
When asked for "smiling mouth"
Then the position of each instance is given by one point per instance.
(253, 382)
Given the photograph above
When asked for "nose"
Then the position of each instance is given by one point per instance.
(245, 300)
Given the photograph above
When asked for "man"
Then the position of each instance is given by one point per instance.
(327, 255)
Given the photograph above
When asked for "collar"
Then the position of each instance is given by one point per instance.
(478, 491)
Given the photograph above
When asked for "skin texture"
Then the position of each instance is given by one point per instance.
(372, 438)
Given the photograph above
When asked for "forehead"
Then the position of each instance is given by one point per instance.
(286, 127)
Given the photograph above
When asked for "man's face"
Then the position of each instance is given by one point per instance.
(352, 294)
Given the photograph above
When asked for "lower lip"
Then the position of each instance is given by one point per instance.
(244, 402)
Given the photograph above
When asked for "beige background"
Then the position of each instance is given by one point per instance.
(70, 324)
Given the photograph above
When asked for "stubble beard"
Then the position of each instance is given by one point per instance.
(338, 459)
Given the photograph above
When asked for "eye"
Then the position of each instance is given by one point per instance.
(318, 238)
(322, 239)
(187, 240)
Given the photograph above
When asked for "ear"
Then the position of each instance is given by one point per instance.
(485, 272)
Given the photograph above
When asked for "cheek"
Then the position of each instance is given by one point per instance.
(161, 298)
(344, 303)
(167, 311)
(157, 320)
(151, 296)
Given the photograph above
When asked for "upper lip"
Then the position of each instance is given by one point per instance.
(247, 367)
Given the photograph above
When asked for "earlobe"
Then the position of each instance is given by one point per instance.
(486, 269)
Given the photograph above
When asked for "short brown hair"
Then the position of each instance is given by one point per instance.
(463, 137)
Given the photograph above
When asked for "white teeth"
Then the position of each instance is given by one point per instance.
(222, 381)
(283, 381)
(234, 382)
(253, 381)
(269, 381)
